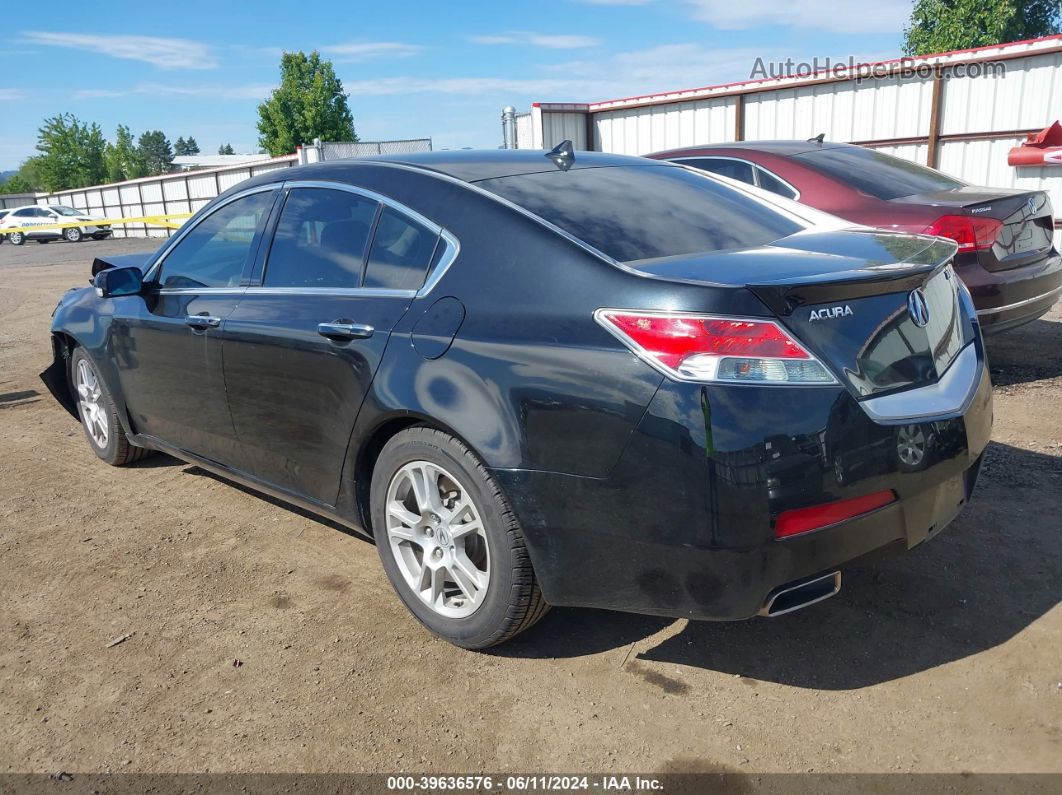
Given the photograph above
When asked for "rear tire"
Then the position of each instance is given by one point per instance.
(449, 542)
(99, 415)
(72, 234)
(17, 238)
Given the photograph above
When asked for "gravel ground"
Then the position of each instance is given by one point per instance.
(947, 659)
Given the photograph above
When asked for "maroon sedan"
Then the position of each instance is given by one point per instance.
(1006, 252)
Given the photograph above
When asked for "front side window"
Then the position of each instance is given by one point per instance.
(320, 239)
(876, 173)
(67, 211)
(401, 252)
(735, 169)
(644, 212)
(214, 253)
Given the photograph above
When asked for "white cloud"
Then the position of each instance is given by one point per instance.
(364, 51)
(247, 91)
(838, 16)
(557, 41)
(10, 94)
(664, 68)
(616, 2)
(163, 53)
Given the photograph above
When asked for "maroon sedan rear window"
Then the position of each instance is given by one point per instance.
(875, 173)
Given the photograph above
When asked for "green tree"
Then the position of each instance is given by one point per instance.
(944, 25)
(180, 147)
(16, 183)
(155, 152)
(122, 157)
(71, 153)
(309, 104)
(226, 149)
(191, 147)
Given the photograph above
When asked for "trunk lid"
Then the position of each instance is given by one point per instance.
(1027, 218)
(879, 308)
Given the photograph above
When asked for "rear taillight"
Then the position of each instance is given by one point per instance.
(970, 232)
(804, 520)
(693, 347)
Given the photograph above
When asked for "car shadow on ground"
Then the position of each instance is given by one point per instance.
(997, 569)
(1028, 353)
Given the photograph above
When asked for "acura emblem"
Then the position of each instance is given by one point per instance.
(917, 308)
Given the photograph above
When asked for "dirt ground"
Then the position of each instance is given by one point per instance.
(947, 659)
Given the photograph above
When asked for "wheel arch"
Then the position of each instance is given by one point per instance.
(367, 449)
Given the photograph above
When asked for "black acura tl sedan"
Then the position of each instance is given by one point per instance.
(548, 379)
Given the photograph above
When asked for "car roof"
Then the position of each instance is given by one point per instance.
(465, 165)
(783, 148)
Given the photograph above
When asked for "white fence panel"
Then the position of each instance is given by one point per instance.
(640, 131)
(1028, 96)
(874, 110)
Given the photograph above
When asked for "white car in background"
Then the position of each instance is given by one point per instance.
(45, 214)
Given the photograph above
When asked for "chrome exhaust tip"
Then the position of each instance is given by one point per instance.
(801, 594)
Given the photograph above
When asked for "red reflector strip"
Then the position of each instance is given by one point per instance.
(804, 520)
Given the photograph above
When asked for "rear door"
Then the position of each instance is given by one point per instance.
(302, 347)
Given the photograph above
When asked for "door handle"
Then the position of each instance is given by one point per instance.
(202, 321)
(344, 331)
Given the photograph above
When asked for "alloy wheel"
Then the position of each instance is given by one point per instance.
(90, 401)
(436, 535)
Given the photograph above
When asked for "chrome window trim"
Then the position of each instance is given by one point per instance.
(996, 309)
(951, 394)
(168, 246)
(432, 277)
(685, 160)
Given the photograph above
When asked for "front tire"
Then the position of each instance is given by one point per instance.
(99, 415)
(449, 543)
(72, 234)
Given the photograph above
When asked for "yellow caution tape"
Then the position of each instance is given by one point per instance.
(154, 220)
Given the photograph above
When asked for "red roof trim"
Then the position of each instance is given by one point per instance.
(595, 105)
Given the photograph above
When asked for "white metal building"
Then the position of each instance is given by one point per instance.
(952, 111)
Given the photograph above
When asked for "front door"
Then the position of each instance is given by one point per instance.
(167, 343)
(301, 348)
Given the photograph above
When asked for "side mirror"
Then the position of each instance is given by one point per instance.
(118, 281)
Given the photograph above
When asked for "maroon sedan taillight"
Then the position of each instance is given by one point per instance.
(971, 233)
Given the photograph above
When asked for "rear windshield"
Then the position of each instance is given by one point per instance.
(643, 212)
(877, 174)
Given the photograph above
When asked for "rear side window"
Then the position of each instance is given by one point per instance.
(644, 212)
(735, 169)
(876, 173)
(401, 251)
(320, 239)
(769, 182)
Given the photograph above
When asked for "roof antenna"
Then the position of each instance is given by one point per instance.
(818, 138)
(562, 155)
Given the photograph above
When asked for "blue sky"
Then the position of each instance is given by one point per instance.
(413, 69)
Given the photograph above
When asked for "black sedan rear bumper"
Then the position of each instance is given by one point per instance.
(691, 535)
